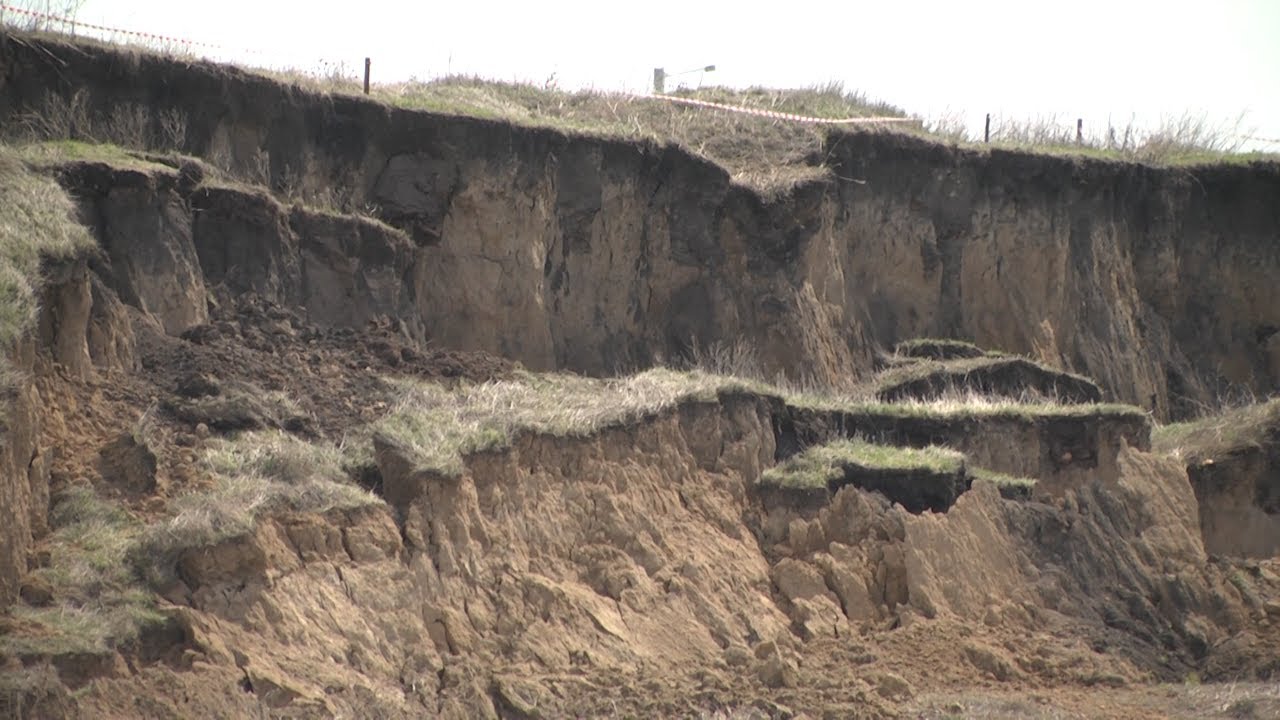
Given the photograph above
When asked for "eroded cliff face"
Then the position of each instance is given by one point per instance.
(634, 571)
(597, 255)
(1153, 281)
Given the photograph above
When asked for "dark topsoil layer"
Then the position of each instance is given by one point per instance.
(336, 377)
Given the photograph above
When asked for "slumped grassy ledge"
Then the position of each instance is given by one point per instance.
(1010, 487)
(970, 405)
(437, 427)
(929, 478)
(919, 479)
(1218, 434)
(985, 376)
(36, 224)
(937, 349)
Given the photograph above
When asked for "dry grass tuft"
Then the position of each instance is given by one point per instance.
(962, 404)
(132, 125)
(1177, 140)
(98, 600)
(256, 474)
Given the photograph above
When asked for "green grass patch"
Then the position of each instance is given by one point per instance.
(1234, 429)
(821, 464)
(99, 600)
(52, 153)
(256, 474)
(440, 426)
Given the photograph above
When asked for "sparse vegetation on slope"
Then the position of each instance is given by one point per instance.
(36, 222)
(256, 474)
(88, 598)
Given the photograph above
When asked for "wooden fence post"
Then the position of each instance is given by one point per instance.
(1079, 131)
(986, 134)
(366, 75)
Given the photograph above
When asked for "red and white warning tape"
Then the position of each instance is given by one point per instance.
(132, 33)
(779, 115)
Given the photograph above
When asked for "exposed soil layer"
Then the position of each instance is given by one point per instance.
(627, 572)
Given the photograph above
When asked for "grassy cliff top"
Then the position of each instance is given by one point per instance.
(767, 154)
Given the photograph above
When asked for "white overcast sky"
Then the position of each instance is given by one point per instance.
(1095, 59)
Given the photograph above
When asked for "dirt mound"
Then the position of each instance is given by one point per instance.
(332, 378)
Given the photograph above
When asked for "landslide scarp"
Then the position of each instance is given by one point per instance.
(278, 458)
